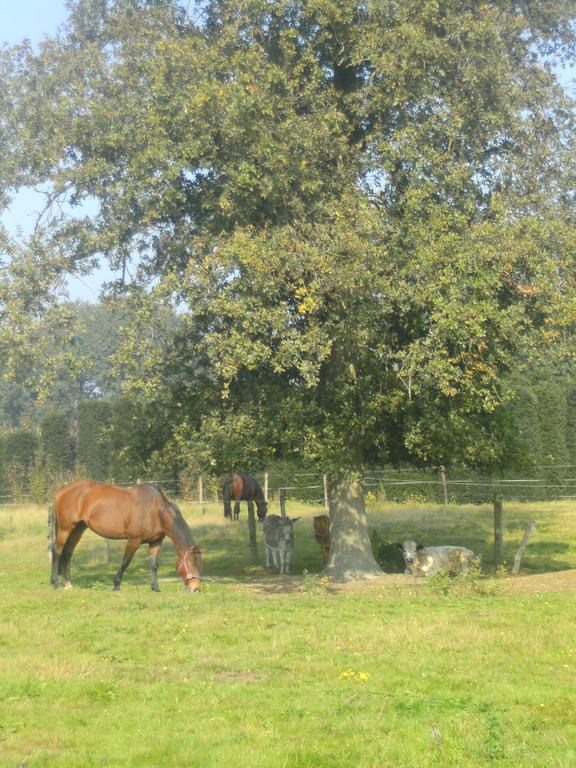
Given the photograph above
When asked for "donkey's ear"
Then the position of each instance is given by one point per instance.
(295, 519)
(399, 546)
(419, 546)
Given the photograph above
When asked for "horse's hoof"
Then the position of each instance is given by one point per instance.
(115, 588)
(155, 589)
(68, 585)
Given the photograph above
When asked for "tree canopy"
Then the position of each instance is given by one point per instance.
(362, 211)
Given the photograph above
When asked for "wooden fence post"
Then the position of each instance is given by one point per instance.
(498, 532)
(282, 502)
(444, 483)
(520, 551)
(201, 494)
(252, 532)
(106, 541)
(266, 487)
(325, 479)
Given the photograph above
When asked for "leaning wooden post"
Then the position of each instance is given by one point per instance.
(520, 551)
(498, 532)
(325, 478)
(282, 502)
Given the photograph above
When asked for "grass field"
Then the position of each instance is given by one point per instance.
(262, 670)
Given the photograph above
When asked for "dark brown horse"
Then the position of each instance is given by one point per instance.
(243, 488)
(140, 514)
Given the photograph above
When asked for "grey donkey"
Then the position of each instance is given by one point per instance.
(279, 541)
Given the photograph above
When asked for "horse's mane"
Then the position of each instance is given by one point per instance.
(179, 525)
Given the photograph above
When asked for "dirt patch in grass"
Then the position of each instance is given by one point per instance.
(290, 584)
(559, 581)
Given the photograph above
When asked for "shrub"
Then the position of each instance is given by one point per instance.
(55, 441)
(386, 553)
(93, 449)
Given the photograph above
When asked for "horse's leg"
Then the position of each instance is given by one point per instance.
(55, 565)
(287, 556)
(227, 507)
(131, 547)
(54, 574)
(268, 563)
(69, 548)
(236, 510)
(62, 536)
(154, 551)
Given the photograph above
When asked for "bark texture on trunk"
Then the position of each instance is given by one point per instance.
(350, 550)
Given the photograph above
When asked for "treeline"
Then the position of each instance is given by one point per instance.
(118, 440)
(97, 443)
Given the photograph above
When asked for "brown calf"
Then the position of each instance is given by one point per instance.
(322, 534)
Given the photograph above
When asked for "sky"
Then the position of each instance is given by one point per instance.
(36, 19)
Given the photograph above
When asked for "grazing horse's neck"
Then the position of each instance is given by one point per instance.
(180, 533)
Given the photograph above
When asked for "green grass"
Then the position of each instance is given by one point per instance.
(396, 676)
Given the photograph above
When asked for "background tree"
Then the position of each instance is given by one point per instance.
(55, 441)
(93, 444)
(18, 451)
(571, 422)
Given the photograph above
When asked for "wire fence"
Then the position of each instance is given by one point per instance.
(404, 485)
(431, 506)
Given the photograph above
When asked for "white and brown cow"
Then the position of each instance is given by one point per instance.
(426, 561)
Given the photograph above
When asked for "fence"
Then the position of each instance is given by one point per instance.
(491, 515)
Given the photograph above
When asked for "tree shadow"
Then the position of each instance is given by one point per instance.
(228, 557)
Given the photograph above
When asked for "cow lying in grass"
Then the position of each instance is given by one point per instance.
(279, 541)
(426, 561)
(322, 534)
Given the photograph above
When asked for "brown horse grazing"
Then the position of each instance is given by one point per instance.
(243, 488)
(141, 514)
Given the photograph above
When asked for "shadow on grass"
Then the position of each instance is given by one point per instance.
(228, 557)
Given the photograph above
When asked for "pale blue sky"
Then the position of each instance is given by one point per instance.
(30, 18)
(34, 20)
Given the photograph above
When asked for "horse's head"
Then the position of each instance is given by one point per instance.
(261, 509)
(189, 568)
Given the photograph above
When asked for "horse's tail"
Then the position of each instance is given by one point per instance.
(51, 531)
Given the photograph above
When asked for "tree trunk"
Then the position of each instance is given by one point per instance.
(350, 550)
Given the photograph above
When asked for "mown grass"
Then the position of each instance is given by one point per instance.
(307, 677)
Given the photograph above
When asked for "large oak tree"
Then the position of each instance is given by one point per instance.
(363, 209)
